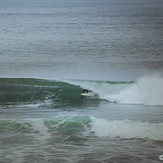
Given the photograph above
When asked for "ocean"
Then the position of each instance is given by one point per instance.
(50, 51)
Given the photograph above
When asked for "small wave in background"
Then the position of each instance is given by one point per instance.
(69, 126)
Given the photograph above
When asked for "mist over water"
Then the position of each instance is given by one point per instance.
(51, 50)
(146, 91)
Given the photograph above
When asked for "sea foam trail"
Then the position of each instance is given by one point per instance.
(146, 91)
(127, 129)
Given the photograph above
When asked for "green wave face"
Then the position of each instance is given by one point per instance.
(67, 93)
(68, 128)
(13, 126)
(17, 91)
(53, 94)
(55, 130)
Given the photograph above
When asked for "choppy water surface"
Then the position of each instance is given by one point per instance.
(111, 40)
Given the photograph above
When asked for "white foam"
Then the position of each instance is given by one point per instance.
(127, 129)
(146, 91)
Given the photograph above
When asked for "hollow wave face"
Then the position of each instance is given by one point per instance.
(38, 93)
(144, 91)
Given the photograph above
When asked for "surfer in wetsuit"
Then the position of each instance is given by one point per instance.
(85, 91)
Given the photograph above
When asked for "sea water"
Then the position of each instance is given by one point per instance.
(50, 51)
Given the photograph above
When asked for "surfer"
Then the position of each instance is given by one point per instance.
(86, 91)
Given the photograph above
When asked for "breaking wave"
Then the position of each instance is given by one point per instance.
(145, 91)
(127, 129)
(73, 128)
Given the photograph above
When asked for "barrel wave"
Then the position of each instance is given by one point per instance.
(144, 91)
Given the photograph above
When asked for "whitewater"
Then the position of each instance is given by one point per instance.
(145, 90)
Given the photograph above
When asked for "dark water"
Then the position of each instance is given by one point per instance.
(50, 51)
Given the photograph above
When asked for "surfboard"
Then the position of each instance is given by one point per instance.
(87, 94)
(84, 94)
